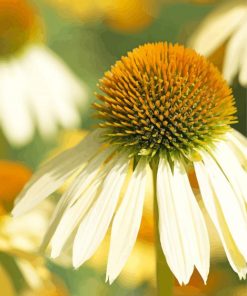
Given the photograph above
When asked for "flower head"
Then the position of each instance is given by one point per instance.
(165, 107)
(164, 98)
(36, 88)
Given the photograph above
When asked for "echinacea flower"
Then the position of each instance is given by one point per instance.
(20, 240)
(36, 87)
(166, 107)
(225, 27)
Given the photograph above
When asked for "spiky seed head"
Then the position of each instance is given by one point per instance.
(164, 98)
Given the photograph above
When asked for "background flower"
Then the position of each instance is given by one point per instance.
(20, 240)
(36, 87)
(225, 27)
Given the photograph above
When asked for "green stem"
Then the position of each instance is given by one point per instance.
(164, 277)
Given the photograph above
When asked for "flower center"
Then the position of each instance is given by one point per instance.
(19, 25)
(164, 97)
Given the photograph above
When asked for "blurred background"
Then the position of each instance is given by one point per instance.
(72, 43)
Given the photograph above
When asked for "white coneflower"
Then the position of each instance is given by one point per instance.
(165, 106)
(36, 87)
(227, 24)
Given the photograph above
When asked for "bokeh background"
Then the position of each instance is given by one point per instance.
(89, 42)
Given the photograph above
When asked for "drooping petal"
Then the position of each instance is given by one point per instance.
(15, 117)
(66, 113)
(242, 139)
(233, 209)
(199, 236)
(243, 67)
(68, 86)
(238, 144)
(74, 192)
(214, 210)
(71, 219)
(232, 169)
(52, 174)
(60, 92)
(127, 222)
(39, 96)
(94, 226)
(235, 53)
(183, 233)
(218, 26)
(178, 258)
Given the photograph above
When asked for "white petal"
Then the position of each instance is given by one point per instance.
(238, 144)
(127, 222)
(76, 202)
(235, 53)
(243, 66)
(235, 258)
(62, 88)
(174, 248)
(218, 26)
(42, 113)
(71, 219)
(52, 175)
(233, 210)
(232, 169)
(183, 233)
(66, 113)
(40, 97)
(53, 92)
(15, 116)
(94, 226)
(200, 247)
(242, 139)
(57, 76)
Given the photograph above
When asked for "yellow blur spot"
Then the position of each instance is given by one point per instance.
(129, 16)
(13, 176)
(126, 16)
(19, 25)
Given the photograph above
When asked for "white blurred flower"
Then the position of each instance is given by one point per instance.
(24, 234)
(226, 24)
(37, 90)
(20, 239)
